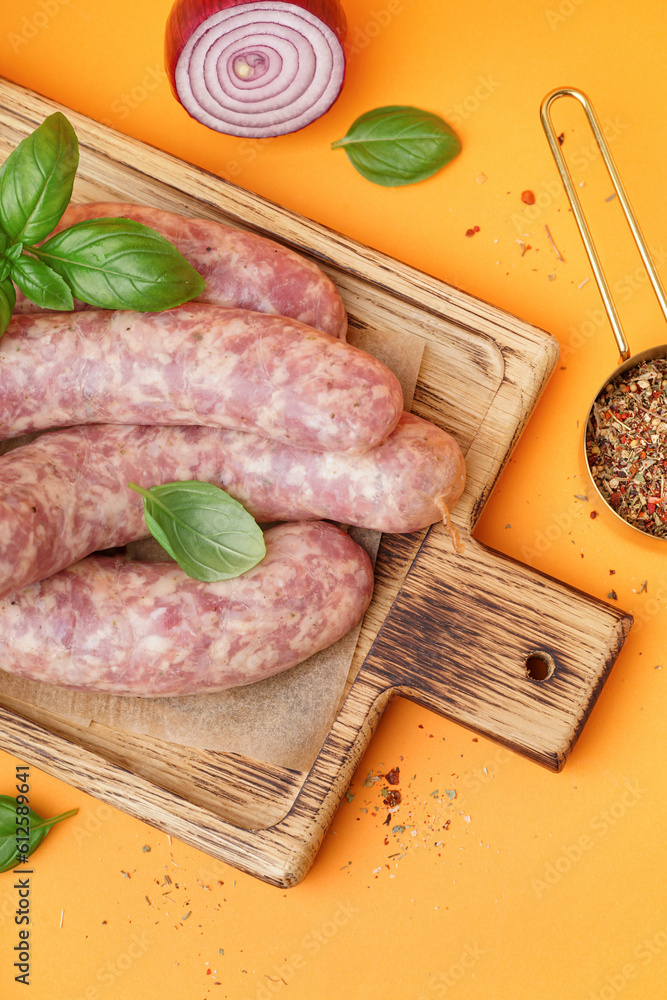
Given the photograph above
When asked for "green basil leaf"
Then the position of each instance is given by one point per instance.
(209, 534)
(37, 179)
(399, 145)
(7, 302)
(4, 241)
(121, 264)
(11, 822)
(40, 284)
(14, 251)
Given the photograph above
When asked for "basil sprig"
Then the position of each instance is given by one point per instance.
(399, 145)
(13, 823)
(209, 534)
(106, 263)
(120, 264)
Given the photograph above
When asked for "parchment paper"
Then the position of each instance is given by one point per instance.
(282, 720)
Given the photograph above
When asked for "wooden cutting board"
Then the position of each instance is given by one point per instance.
(467, 635)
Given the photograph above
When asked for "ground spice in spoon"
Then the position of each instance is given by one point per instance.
(626, 446)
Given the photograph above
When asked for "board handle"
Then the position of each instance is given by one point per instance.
(498, 647)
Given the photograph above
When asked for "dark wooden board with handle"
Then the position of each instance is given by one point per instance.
(459, 634)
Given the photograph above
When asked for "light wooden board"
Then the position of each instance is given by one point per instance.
(452, 632)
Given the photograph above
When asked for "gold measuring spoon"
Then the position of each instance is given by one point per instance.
(622, 487)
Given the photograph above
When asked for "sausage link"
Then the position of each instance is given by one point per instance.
(196, 364)
(240, 269)
(65, 494)
(148, 630)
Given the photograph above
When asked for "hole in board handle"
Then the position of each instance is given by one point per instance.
(540, 665)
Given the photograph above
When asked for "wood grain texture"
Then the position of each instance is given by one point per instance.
(451, 632)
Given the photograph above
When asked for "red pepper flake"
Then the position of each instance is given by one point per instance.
(472, 231)
(561, 138)
(393, 776)
(527, 197)
(593, 515)
(392, 798)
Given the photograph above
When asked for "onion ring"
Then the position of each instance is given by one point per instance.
(257, 69)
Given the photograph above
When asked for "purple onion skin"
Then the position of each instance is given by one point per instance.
(186, 16)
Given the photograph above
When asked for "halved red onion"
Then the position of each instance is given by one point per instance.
(256, 69)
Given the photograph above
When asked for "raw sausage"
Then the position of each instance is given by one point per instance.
(196, 364)
(65, 495)
(147, 629)
(240, 269)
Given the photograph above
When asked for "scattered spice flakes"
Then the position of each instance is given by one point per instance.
(392, 798)
(145, 849)
(525, 247)
(393, 776)
(612, 572)
(611, 197)
(593, 514)
(551, 240)
(471, 232)
(561, 138)
(581, 496)
(349, 795)
(612, 595)
(528, 197)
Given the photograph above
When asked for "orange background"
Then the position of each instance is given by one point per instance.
(542, 885)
